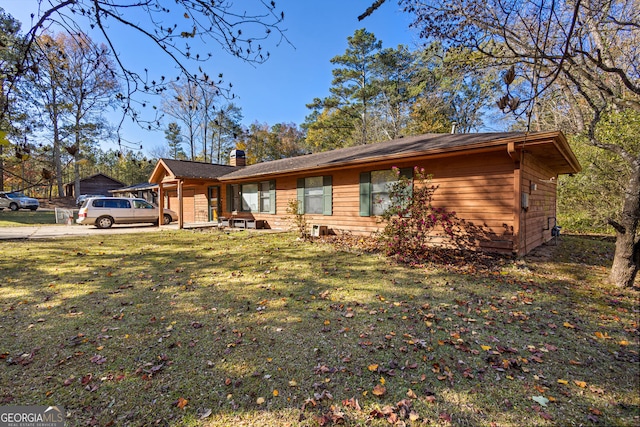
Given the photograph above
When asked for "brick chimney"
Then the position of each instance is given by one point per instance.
(238, 158)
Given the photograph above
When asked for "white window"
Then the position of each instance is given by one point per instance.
(313, 195)
(381, 182)
(265, 196)
(250, 198)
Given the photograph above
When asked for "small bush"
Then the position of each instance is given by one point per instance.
(413, 224)
(298, 218)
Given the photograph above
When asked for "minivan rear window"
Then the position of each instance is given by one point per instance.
(111, 203)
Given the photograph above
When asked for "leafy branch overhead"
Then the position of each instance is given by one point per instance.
(186, 31)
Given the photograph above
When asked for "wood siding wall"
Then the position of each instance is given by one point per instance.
(95, 185)
(479, 188)
(536, 222)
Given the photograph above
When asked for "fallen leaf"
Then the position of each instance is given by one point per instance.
(293, 383)
(182, 402)
(373, 367)
(445, 417)
(602, 336)
(563, 382)
(568, 325)
(486, 347)
(623, 342)
(260, 400)
(98, 360)
(352, 403)
(580, 384)
(541, 400)
(411, 394)
(379, 390)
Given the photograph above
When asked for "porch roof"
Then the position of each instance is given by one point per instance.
(184, 169)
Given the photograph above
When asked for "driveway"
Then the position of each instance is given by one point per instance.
(54, 231)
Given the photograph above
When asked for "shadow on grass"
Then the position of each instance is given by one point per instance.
(251, 328)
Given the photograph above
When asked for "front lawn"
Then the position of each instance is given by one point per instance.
(192, 328)
(21, 218)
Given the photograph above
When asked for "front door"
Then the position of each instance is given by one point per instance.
(214, 203)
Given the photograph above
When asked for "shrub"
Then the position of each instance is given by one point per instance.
(298, 218)
(413, 224)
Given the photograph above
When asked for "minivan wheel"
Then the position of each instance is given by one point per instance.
(166, 219)
(104, 222)
(13, 206)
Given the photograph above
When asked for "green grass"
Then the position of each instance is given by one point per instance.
(187, 328)
(9, 218)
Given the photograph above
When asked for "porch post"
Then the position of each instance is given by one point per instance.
(160, 203)
(180, 206)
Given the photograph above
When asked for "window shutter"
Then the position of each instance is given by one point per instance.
(300, 188)
(229, 198)
(327, 195)
(272, 197)
(365, 194)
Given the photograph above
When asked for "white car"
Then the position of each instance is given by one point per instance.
(103, 212)
(17, 200)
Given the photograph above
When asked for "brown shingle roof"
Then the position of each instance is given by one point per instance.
(421, 144)
(197, 170)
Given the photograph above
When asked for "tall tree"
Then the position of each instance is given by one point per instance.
(264, 143)
(396, 73)
(183, 104)
(48, 93)
(173, 136)
(225, 129)
(585, 49)
(90, 86)
(353, 91)
(10, 51)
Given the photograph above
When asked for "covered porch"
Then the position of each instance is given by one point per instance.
(191, 189)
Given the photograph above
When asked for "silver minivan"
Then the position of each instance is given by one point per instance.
(103, 212)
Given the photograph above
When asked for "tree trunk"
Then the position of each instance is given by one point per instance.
(1, 169)
(626, 261)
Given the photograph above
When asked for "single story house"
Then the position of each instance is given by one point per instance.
(502, 182)
(94, 184)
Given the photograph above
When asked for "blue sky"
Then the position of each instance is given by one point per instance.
(278, 90)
